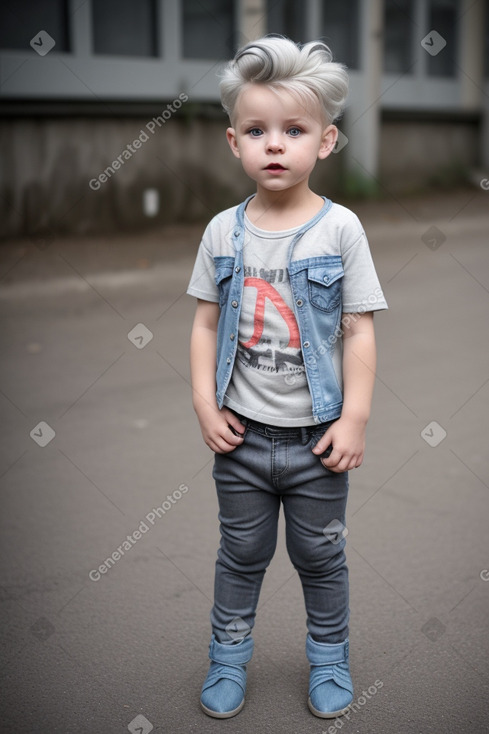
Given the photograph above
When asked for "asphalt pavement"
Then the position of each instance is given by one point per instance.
(108, 519)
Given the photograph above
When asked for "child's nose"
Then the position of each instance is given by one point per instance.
(274, 144)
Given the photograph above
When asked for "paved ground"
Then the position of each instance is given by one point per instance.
(85, 651)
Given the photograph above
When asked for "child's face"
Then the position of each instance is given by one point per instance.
(277, 138)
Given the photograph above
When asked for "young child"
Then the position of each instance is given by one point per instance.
(286, 288)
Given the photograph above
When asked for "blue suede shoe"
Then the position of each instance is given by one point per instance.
(225, 685)
(330, 684)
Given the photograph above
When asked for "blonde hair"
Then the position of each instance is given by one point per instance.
(307, 71)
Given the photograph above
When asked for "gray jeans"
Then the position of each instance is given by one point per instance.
(272, 465)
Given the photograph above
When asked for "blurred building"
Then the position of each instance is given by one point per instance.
(111, 116)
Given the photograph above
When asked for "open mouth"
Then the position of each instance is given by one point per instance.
(274, 167)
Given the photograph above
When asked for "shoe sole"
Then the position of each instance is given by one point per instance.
(326, 714)
(223, 714)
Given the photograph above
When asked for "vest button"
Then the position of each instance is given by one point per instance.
(228, 360)
(306, 344)
(326, 278)
(299, 302)
(231, 336)
(234, 304)
(237, 269)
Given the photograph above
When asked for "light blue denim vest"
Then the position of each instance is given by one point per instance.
(316, 291)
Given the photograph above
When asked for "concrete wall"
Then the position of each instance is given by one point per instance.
(48, 164)
(418, 153)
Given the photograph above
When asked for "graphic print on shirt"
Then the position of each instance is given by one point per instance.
(274, 342)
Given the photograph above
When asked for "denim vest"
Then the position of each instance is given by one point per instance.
(316, 292)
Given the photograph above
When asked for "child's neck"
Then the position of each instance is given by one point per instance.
(279, 210)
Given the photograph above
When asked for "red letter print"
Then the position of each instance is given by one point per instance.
(265, 290)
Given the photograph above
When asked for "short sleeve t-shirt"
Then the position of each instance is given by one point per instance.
(269, 381)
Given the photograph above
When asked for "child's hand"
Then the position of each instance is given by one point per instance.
(347, 438)
(216, 427)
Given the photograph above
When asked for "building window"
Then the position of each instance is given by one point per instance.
(22, 20)
(442, 18)
(340, 30)
(287, 18)
(208, 29)
(125, 27)
(398, 35)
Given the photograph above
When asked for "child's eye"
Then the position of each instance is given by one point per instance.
(294, 132)
(255, 132)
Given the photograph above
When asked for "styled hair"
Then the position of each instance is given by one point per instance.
(306, 70)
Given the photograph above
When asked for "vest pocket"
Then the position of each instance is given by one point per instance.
(325, 286)
(223, 277)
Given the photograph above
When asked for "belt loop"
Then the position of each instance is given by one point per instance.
(304, 435)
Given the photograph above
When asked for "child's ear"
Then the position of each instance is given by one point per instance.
(231, 138)
(328, 141)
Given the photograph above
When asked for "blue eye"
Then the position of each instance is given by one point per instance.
(255, 132)
(294, 132)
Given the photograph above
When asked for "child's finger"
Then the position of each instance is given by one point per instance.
(236, 433)
(323, 443)
(233, 437)
(337, 462)
(234, 423)
(223, 445)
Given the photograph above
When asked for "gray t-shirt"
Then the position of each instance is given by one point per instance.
(269, 382)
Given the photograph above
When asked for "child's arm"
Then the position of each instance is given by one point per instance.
(347, 434)
(214, 423)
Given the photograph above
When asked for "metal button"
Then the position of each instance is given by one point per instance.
(234, 304)
(299, 302)
(236, 233)
(237, 269)
(306, 344)
(326, 279)
(228, 360)
(231, 336)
